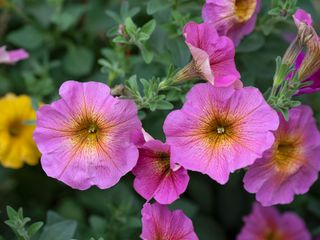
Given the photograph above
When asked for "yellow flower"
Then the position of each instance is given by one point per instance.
(16, 143)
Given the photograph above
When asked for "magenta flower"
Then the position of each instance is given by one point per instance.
(11, 57)
(159, 223)
(232, 18)
(155, 178)
(266, 223)
(86, 137)
(291, 166)
(220, 130)
(213, 55)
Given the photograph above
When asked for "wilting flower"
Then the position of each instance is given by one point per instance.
(155, 177)
(159, 223)
(266, 223)
(11, 57)
(314, 79)
(86, 137)
(291, 166)
(310, 61)
(17, 146)
(213, 56)
(232, 18)
(220, 130)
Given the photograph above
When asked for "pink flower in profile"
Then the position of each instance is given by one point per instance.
(86, 137)
(213, 55)
(266, 223)
(159, 223)
(11, 57)
(220, 130)
(232, 18)
(155, 177)
(291, 166)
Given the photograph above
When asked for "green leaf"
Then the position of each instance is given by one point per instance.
(34, 228)
(119, 39)
(285, 113)
(154, 6)
(164, 105)
(12, 214)
(146, 54)
(131, 27)
(149, 27)
(27, 37)
(114, 16)
(64, 230)
(78, 61)
(251, 43)
(69, 17)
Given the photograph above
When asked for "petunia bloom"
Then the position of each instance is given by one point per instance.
(232, 18)
(86, 137)
(17, 146)
(155, 177)
(291, 166)
(220, 130)
(11, 57)
(213, 56)
(160, 223)
(266, 223)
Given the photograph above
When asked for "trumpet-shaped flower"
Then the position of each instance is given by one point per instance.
(291, 166)
(86, 137)
(266, 223)
(11, 57)
(155, 177)
(232, 18)
(220, 130)
(17, 145)
(213, 56)
(159, 223)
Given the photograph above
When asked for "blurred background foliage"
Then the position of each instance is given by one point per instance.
(136, 44)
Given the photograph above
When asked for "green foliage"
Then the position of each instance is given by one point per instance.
(17, 222)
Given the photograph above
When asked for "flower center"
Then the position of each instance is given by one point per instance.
(245, 9)
(93, 128)
(221, 130)
(273, 235)
(15, 128)
(88, 132)
(163, 162)
(287, 156)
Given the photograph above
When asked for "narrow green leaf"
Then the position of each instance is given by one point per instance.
(149, 27)
(34, 228)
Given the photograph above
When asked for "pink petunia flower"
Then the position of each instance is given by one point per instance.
(213, 56)
(159, 223)
(11, 57)
(155, 177)
(220, 130)
(86, 137)
(232, 18)
(291, 166)
(266, 223)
